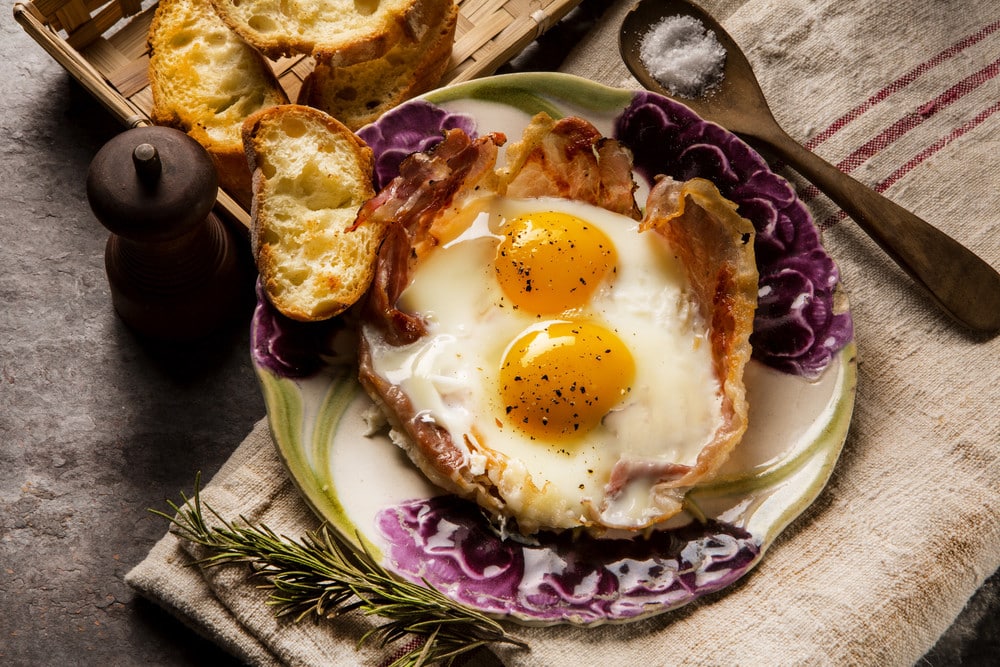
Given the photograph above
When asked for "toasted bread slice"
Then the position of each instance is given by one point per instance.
(343, 31)
(358, 94)
(310, 176)
(205, 81)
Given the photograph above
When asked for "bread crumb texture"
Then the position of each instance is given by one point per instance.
(206, 80)
(313, 176)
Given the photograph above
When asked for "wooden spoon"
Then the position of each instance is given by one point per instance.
(962, 284)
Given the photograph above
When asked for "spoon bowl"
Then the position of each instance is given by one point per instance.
(961, 283)
(736, 102)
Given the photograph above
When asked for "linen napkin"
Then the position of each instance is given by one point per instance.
(905, 96)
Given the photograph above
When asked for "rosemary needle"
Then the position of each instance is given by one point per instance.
(324, 576)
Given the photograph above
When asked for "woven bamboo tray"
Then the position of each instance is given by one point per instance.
(102, 44)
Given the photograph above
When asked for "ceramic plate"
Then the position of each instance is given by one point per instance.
(800, 384)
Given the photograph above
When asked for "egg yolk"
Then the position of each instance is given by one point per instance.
(559, 379)
(550, 262)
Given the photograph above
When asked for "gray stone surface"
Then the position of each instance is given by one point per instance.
(96, 426)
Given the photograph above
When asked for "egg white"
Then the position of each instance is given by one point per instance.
(451, 375)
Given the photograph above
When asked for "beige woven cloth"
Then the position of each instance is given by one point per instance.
(905, 96)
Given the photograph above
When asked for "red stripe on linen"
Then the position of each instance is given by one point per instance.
(920, 157)
(908, 166)
(901, 83)
(908, 122)
(915, 118)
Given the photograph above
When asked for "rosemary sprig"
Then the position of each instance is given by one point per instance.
(324, 576)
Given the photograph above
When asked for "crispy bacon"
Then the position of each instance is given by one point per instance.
(569, 158)
(391, 278)
(716, 247)
(429, 187)
(617, 187)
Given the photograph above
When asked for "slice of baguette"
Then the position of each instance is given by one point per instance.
(358, 94)
(205, 81)
(344, 31)
(310, 176)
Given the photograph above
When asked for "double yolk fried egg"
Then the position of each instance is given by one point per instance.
(559, 341)
(539, 349)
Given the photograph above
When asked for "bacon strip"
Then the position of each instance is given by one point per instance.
(430, 186)
(715, 245)
(569, 158)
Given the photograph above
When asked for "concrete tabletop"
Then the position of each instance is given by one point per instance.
(97, 426)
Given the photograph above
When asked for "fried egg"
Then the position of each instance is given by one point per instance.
(560, 340)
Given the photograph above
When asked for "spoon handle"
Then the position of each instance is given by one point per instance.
(962, 284)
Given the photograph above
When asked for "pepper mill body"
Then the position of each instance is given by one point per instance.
(172, 265)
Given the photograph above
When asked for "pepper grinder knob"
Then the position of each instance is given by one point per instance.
(147, 163)
(172, 265)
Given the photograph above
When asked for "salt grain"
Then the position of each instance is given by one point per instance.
(683, 56)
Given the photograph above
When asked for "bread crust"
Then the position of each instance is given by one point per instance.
(339, 31)
(359, 94)
(311, 175)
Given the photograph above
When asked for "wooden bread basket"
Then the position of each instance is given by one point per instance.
(102, 44)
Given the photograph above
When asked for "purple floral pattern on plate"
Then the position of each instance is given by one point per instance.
(797, 328)
(288, 348)
(447, 542)
(412, 127)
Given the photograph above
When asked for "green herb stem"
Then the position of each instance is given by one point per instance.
(324, 576)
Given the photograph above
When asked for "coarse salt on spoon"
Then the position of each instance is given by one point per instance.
(961, 283)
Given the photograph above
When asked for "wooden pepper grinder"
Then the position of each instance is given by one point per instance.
(171, 264)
